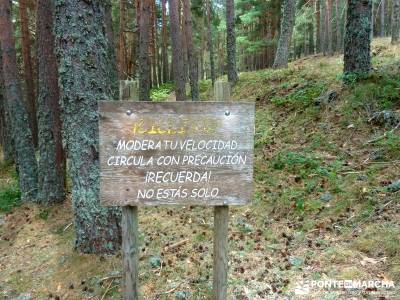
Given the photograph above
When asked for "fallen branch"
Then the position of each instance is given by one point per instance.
(382, 136)
(110, 277)
(171, 290)
(68, 226)
(175, 245)
(109, 288)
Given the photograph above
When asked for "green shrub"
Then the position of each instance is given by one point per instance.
(379, 92)
(162, 92)
(10, 196)
(390, 145)
(294, 162)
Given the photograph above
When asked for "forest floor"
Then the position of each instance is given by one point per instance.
(326, 203)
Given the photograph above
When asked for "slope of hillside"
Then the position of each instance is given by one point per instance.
(326, 203)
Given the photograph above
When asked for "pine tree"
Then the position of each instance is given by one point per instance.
(210, 40)
(395, 22)
(357, 43)
(144, 59)
(6, 139)
(337, 27)
(329, 32)
(287, 24)
(318, 23)
(231, 41)
(122, 48)
(112, 68)
(23, 143)
(383, 18)
(164, 42)
(192, 53)
(28, 69)
(51, 169)
(84, 80)
(153, 46)
(177, 55)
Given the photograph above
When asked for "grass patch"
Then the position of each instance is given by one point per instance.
(299, 96)
(390, 146)
(10, 197)
(378, 238)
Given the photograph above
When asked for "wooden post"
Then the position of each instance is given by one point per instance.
(130, 237)
(128, 90)
(130, 252)
(221, 220)
(222, 91)
(220, 278)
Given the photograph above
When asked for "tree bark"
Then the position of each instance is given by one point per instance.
(177, 57)
(112, 68)
(383, 17)
(372, 20)
(192, 54)
(318, 23)
(164, 50)
(337, 29)
(5, 123)
(28, 69)
(153, 46)
(310, 32)
(396, 22)
(357, 43)
(329, 32)
(210, 41)
(51, 171)
(21, 132)
(84, 80)
(122, 48)
(287, 24)
(231, 41)
(144, 59)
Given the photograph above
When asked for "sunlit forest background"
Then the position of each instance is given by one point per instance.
(325, 79)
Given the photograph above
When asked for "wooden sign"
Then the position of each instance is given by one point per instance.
(197, 153)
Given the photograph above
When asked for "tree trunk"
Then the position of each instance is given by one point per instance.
(5, 128)
(28, 69)
(184, 46)
(395, 22)
(51, 171)
(144, 59)
(192, 55)
(164, 42)
(329, 32)
(383, 7)
(287, 24)
(21, 132)
(122, 48)
(337, 29)
(210, 41)
(84, 80)
(310, 31)
(372, 20)
(153, 43)
(231, 41)
(177, 55)
(318, 23)
(112, 68)
(357, 43)
(203, 50)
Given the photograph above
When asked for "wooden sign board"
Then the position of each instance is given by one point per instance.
(197, 153)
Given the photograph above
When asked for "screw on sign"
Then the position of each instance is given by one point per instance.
(176, 153)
